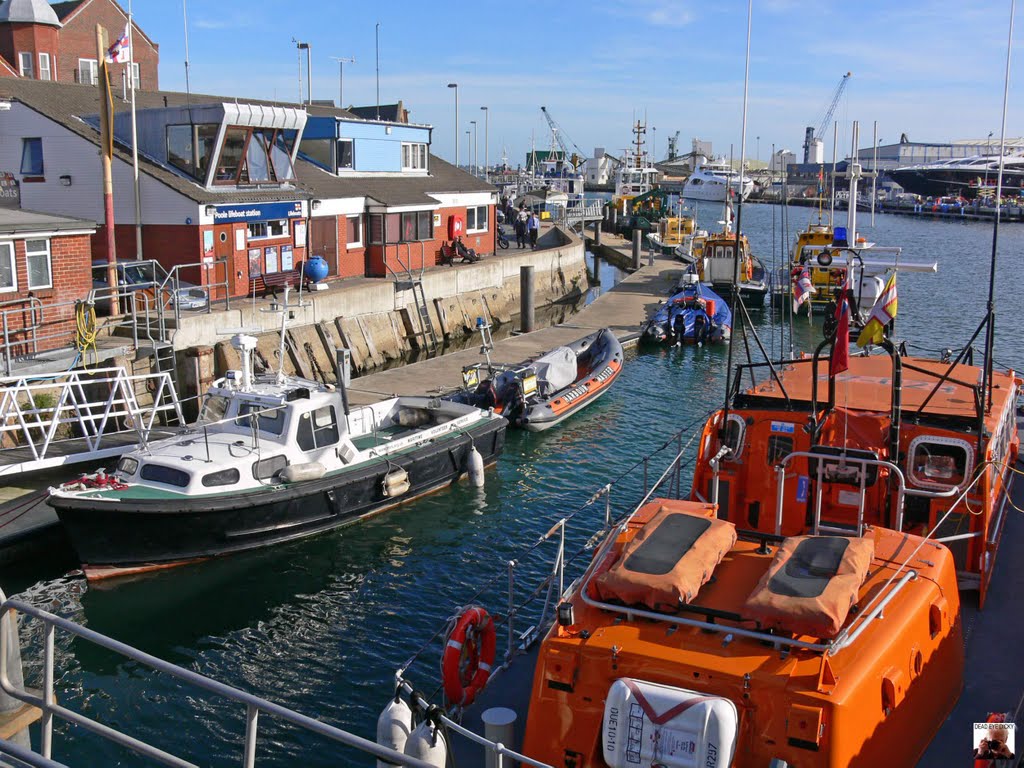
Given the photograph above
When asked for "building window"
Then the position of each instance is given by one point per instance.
(255, 156)
(354, 227)
(417, 225)
(263, 229)
(346, 155)
(25, 64)
(136, 77)
(37, 257)
(8, 273)
(88, 71)
(44, 67)
(318, 152)
(190, 147)
(414, 157)
(32, 157)
(476, 219)
(232, 153)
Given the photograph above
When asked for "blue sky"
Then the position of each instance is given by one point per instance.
(931, 70)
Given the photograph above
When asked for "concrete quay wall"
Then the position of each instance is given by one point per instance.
(375, 318)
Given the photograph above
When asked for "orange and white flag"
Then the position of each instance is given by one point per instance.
(883, 313)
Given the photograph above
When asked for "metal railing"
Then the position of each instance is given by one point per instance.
(254, 705)
(97, 405)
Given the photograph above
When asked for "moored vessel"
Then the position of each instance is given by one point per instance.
(694, 315)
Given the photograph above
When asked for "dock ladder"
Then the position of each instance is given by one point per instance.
(410, 279)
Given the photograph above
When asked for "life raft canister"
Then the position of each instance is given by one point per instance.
(468, 655)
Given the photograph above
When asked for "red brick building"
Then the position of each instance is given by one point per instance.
(57, 42)
(44, 260)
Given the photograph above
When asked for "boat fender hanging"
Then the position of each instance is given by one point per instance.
(427, 743)
(297, 473)
(475, 467)
(394, 727)
(396, 483)
(469, 652)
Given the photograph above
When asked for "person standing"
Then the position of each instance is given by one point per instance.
(533, 227)
(520, 227)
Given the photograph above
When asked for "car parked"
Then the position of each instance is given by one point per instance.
(146, 276)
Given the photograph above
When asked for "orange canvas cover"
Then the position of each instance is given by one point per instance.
(845, 428)
(811, 584)
(668, 561)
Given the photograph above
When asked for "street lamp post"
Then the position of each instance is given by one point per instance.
(487, 120)
(654, 144)
(988, 152)
(758, 150)
(475, 149)
(341, 78)
(456, 87)
(469, 147)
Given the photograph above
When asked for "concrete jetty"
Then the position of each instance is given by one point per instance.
(623, 309)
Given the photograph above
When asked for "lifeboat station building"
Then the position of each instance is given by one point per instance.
(231, 189)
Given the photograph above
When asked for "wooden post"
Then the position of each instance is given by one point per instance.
(106, 152)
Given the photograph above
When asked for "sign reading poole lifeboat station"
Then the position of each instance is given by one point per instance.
(228, 214)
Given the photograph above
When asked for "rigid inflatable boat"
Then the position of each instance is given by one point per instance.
(540, 393)
(694, 315)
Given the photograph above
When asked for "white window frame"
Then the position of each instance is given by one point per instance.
(94, 71)
(25, 64)
(414, 156)
(9, 246)
(476, 218)
(267, 226)
(49, 263)
(927, 482)
(136, 76)
(358, 243)
(45, 57)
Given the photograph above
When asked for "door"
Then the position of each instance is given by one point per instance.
(323, 239)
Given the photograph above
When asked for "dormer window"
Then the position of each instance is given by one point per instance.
(255, 155)
(190, 147)
(346, 155)
(414, 157)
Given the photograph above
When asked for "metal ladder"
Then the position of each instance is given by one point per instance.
(164, 360)
(426, 323)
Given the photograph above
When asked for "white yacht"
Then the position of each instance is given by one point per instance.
(710, 180)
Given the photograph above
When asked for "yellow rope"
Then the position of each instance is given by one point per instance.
(85, 328)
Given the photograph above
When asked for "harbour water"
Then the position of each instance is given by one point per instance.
(322, 625)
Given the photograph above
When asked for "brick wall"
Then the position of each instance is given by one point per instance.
(351, 261)
(394, 256)
(70, 257)
(33, 38)
(78, 41)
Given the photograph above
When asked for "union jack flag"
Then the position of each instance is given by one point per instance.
(803, 289)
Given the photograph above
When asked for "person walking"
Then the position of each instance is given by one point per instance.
(533, 227)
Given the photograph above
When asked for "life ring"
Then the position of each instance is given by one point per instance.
(469, 652)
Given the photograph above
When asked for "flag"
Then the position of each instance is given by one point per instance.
(882, 313)
(821, 181)
(120, 51)
(839, 360)
(803, 289)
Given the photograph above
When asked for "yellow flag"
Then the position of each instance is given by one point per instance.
(882, 313)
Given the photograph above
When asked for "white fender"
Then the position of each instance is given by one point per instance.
(393, 727)
(427, 743)
(297, 473)
(475, 467)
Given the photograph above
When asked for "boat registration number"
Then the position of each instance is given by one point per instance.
(783, 427)
(582, 389)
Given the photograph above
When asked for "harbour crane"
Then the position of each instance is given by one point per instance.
(810, 136)
(576, 157)
(673, 146)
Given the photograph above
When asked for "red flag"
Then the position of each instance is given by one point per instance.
(839, 361)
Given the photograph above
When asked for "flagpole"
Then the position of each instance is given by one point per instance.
(135, 139)
(106, 151)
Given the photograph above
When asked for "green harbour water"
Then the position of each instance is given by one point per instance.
(321, 625)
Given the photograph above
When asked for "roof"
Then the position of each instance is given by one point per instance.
(15, 221)
(67, 103)
(392, 113)
(867, 386)
(63, 10)
(66, 11)
(28, 12)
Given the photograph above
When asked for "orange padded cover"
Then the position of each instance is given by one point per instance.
(775, 601)
(668, 561)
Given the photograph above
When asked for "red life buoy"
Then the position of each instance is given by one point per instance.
(469, 652)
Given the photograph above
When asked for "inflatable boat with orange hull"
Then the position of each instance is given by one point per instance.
(539, 393)
(690, 642)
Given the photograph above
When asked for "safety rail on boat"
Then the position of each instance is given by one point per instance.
(254, 705)
(843, 461)
(96, 418)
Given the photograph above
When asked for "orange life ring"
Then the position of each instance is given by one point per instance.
(469, 652)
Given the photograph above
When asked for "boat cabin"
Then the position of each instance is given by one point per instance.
(717, 265)
(893, 441)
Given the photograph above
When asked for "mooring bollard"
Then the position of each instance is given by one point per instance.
(597, 234)
(9, 704)
(526, 298)
(499, 727)
(638, 237)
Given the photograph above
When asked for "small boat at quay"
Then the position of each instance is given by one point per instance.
(673, 234)
(694, 315)
(717, 266)
(540, 393)
(272, 458)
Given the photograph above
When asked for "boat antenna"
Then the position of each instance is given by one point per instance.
(990, 315)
